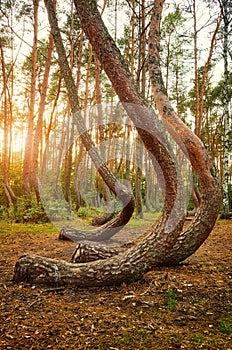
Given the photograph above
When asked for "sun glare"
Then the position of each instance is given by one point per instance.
(16, 140)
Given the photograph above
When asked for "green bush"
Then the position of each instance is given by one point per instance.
(57, 209)
(27, 210)
(87, 212)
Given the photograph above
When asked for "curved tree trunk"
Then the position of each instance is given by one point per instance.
(109, 213)
(146, 122)
(123, 193)
(151, 250)
(207, 213)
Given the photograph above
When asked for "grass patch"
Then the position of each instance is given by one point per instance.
(172, 300)
(8, 228)
(225, 326)
(148, 218)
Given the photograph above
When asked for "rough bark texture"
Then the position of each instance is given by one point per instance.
(145, 120)
(123, 193)
(207, 213)
(227, 142)
(150, 251)
(102, 233)
(106, 216)
(87, 251)
(161, 244)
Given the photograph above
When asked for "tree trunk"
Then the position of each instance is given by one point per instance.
(204, 77)
(39, 125)
(68, 159)
(138, 179)
(79, 201)
(87, 251)
(10, 196)
(109, 213)
(70, 132)
(124, 194)
(150, 251)
(27, 162)
(226, 202)
(207, 213)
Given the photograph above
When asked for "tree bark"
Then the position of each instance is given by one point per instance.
(150, 251)
(123, 193)
(191, 239)
(226, 102)
(39, 125)
(109, 213)
(138, 178)
(86, 251)
(27, 162)
(10, 196)
(204, 78)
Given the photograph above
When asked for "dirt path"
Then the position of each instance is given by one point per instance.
(186, 307)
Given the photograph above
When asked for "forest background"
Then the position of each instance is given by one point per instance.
(37, 140)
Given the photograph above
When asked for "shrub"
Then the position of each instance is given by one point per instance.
(27, 210)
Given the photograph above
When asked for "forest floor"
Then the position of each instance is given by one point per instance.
(184, 307)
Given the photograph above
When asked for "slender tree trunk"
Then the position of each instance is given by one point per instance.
(196, 68)
(101, 219)
(142, 86)
(128, 149)
(27, 162)
(76, 181)
(138, 178)
(48, 131)
(39, 126)
(226, 101)
(68, 159)
(58, 159)
(70, 132)
(149, 184)
(204, 77)
(123, 193)
(79, 201)
(10, 196)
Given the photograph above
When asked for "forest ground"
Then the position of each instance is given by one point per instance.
(184, 307)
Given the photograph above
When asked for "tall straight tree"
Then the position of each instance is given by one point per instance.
(226, 19)
(37, 141)
(27, 162)
(7, 120)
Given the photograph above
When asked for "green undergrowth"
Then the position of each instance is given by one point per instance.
(8, 228)
(81, 223)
